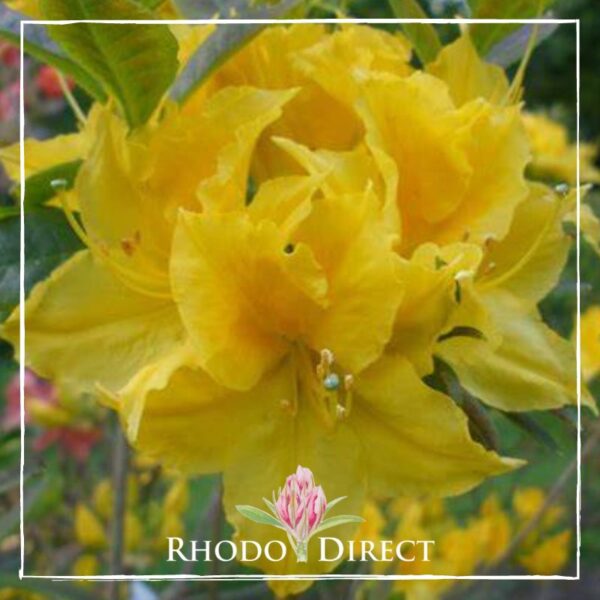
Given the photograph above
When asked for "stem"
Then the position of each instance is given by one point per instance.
(176, 589)
(302, 552)
(64, 86)
(553, 495)
(120, 471)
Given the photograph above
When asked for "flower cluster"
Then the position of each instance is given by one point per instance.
(471, 545)
(272, 268)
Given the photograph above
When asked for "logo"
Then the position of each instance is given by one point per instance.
(300, 509)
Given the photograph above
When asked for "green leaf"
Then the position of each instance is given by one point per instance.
(9, 520)
(10, 478)
(331, 504)
(529, 425)
(486, 35)
(57, 590)
(49, 241)
(340, 520)
(258, 516)
(8, 211)
(221, 44)
(38, 187)
(135, 63)
(270, 505)
(423, 36)
(65, 65)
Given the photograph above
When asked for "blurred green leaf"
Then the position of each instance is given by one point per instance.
(222, 43)
(10, 478)
(9, 520)
(486, 35)
(135, 63)
(49, 241)
(65, 65)
(529, 424)
(423, 36)
(38, 187)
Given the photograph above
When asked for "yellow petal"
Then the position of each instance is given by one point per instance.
(429, 300)
(83, 327)
(529, 260)
(416, 461)
(41, 155)
(242, 114)
(286, 201)
(365, 288)
(255, 296)
(467, 75)
(533, 368)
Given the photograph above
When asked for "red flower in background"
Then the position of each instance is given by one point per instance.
(9, 55)
(48, 82)
(43, 408)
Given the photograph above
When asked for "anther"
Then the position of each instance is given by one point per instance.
(348, 382)
(331, 382)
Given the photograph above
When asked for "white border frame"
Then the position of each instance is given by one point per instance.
(322, 577)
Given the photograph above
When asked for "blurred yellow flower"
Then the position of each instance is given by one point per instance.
(89, 530)
(103, 499)
(553, 156)
(550, 556)
(590, 342)
(86, 565)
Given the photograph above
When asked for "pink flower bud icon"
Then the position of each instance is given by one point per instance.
(299, 509)
(301, 505)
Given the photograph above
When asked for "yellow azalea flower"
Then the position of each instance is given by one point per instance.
(127, 259)
(549, 557)
(269, 272)
(590, 342)
(553, 156)
(89, 531)
(521, 364)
